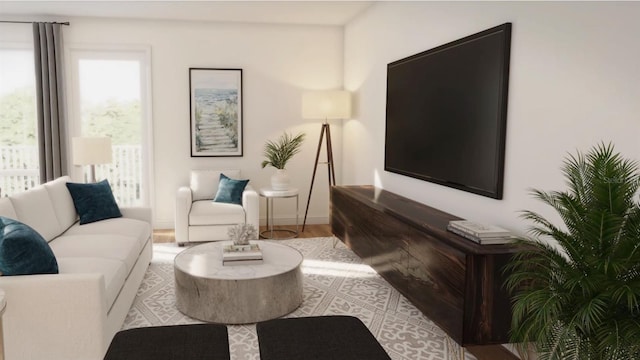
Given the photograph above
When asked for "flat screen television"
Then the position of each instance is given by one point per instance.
(446, 113)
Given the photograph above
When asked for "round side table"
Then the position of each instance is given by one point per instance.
(270, 194)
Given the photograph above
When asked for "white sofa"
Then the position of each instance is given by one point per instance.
(198, 218)
(76, 313)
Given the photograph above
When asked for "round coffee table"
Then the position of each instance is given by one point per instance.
(237, 294)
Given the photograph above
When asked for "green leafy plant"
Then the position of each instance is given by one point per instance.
(581, 298)
(279, 152)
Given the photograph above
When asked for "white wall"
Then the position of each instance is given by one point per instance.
(278, 62)
(574, 81)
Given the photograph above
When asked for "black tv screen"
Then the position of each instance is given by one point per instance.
(447, 113)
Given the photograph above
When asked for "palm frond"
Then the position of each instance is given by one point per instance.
(279, 152)
(581, 299)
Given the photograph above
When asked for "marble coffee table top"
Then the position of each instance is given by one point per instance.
(205, 261)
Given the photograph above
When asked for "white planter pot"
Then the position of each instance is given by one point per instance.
(280, 180)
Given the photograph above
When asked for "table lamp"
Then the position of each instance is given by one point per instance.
(91, 151)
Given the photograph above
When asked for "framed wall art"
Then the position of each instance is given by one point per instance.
(216, 112)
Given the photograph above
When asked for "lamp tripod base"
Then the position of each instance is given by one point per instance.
(326, 129)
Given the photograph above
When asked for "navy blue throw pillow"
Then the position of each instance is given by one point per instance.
(230, 190)
(94, 202)
(23, 251)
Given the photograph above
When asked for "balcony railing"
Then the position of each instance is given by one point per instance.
(19, 172)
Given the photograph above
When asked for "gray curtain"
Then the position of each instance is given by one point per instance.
(52, 118)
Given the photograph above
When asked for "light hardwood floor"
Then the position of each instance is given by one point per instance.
(310, 231)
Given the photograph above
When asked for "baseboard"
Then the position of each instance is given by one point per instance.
(161, 225)
(169, 224)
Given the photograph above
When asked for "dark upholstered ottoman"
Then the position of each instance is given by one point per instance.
(318, 338)
(180, 342)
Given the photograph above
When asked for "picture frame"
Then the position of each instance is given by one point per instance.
(215, 106)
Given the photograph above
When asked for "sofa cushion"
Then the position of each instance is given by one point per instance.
(23, 251)
(114, 272)
(6, 208)
(230, 190)
(204, 183)
(139, 229)
(94, 201)
(108, 246)
(34, 208)
(62, 202)
(205, 212)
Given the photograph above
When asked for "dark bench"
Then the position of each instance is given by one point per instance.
(179, 342)
(318, 338)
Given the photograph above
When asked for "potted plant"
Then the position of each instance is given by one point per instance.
(581, 298)
(278, 153)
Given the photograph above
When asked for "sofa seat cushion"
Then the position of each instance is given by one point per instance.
(114, 272)
(207, 212)
(115, 247)
(141, 230)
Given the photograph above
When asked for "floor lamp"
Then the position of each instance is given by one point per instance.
(91, 151)
(325, 105)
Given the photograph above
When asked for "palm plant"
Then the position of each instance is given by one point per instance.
(279, 152)
(581, 299)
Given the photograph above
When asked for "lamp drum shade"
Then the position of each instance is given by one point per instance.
(91, 150)
(330, 104)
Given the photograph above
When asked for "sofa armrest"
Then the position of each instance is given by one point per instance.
(251, 205)
(138, 213)
(184, 198)
(41, 317)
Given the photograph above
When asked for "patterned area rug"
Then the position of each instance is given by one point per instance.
(335, 283)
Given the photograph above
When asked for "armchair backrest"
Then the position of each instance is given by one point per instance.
(204, 183)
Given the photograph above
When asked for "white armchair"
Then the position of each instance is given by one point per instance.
(198, 218)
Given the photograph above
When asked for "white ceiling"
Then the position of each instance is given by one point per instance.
(274, 12)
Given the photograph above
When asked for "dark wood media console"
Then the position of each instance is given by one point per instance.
(453, 281)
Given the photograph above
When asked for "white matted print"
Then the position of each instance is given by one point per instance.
(216, 112)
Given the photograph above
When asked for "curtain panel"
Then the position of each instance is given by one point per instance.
(50, 97)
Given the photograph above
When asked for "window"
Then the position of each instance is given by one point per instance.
(19, 166)
(110, 96)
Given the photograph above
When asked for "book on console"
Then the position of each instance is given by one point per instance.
(482, 241)
(479, 230)
(232, 252)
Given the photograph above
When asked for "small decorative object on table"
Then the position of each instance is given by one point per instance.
(242, 233)
(241, 252)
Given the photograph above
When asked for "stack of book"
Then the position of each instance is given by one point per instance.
(482, 234)
(241, 255)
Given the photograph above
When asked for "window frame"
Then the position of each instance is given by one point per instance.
(27, 46)
(141, 53)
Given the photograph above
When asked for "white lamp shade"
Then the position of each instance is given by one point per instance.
(91, 150)
(331, 104)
